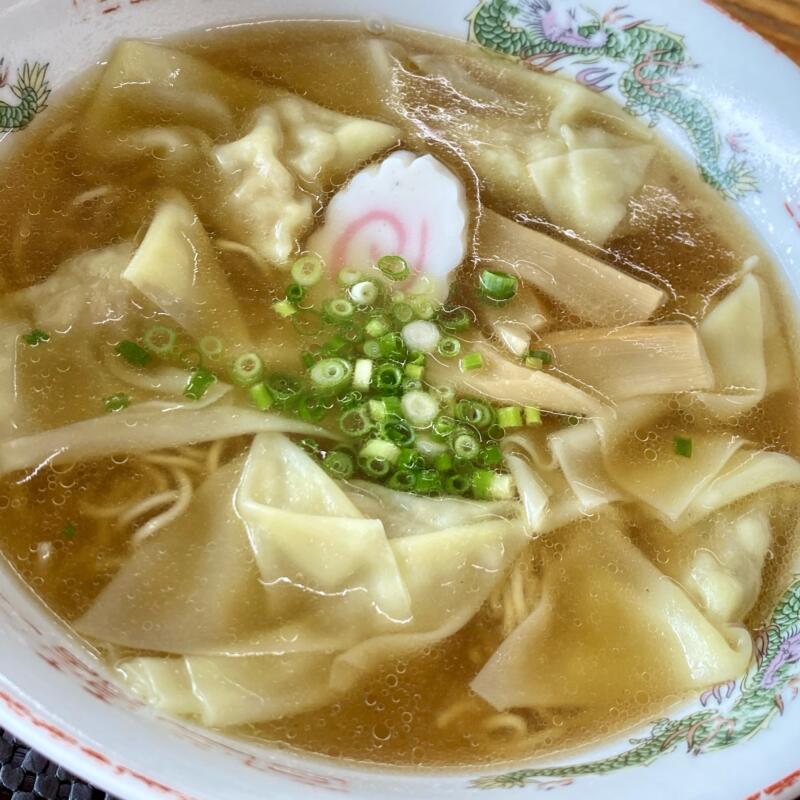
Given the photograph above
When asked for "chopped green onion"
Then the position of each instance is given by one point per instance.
(444, 462)
(443, 426)
(491, 456)
(458, 484)
(545, 356)
(348, 276)
(381, 410)
(387, 378)
(429, 447)
(376, 326)
(534, 363)
(411, 385)
(377, 457)
(498, 286)
(338, 310)
(295, 293)
(307, 270)
(395, 268)
(211, 347)
(397, 431)
(416, 357)
(199, 383)
(449, 347)
(402, 312)
(402, 481)
(364, 293)
(337, 345)
(490, 485)
(495, 432)
(309, 407)
(533, 416)
(428, 481)
(362, 374)
(116, 402)
(471, 361)
(331, 374)
(414, 371)
(573, 420)
(350, 400)
(465, 445)
(410, 459)
(355, 422)
(457, 318)
(308, 358)
(509, 417)
(133, 353)
(282, 387)
(191, 358)
(339, 464)
(261, 397)
(422, 335)
(683, 446)
(392, 346)
(283, 308)
(475, 413)
(419, 408)
(36, 337)
(423, 307)
(372, 348)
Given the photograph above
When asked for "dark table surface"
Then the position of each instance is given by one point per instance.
(26, 775)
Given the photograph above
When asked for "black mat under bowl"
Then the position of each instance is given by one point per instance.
(26, 775)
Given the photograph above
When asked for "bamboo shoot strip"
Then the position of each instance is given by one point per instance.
(597, 292)
(635, 361)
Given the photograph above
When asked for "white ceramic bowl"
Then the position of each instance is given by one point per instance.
(738, 742)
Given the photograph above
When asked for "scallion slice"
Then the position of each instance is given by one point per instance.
(133, 353)
(261, 397)
(282, 387)
(545, 356)
(377, 456)
(392, 346)
(339, 464)
(295, 293)
(307, 270)
(355, 422)
(414, 371)
(402, 481)
(211, 347)
(533, 416)
(458, 484)
(381, 410)
(471, 361)
(309, 407)
(683, 446)
(419, 408)
(371, 348)
(422, 335)
(362, 374)
(331, 374)
(395, 268)
(338, 310)
(475, 413)
(349, 276)
(284, 308)
(465, 445)
(364, 293)
(35, 337)
(444, 426)
(376, 326)
(160, 340)
(199, 383)
(449, 347)
(498, 286)
(410, 459)
(456, 318)
(509, 417)
(490, 485)
(444, 462)
(491, 456)
(387, 378)
(532, 362)
(430, 447)
(247, 369)
(337, 345)
(428, 481)
(397, 431)
(116, 402)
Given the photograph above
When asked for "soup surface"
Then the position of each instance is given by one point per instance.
(378, 397)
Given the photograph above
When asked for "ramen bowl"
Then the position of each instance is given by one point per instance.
(726, 108)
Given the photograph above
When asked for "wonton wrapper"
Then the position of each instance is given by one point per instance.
(615, 627)
(298, 590)
(176, 268)
(295, 148)
(739, 334)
